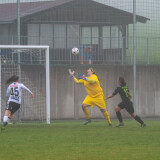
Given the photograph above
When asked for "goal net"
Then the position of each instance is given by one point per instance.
(31, 64)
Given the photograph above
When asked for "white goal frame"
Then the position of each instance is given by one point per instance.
(46, 48)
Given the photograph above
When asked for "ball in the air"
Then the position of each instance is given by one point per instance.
(75, 51)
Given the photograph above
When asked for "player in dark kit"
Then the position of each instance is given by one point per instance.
(126, 103)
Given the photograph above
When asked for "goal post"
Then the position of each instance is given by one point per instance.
(35, 74)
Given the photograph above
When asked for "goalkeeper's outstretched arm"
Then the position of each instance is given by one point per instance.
(89, 80)
(78, 81)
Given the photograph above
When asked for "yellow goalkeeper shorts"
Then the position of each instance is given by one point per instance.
(98, 101)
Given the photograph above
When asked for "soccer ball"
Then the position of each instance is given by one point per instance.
(75, 51)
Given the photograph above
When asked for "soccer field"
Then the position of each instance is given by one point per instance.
(71, 140)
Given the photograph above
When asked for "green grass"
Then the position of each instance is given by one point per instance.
(70, 140)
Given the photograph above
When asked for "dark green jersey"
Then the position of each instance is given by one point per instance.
(123, 92)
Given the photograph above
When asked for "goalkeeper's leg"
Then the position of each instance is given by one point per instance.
(106, 116)
(86, 112)
(100, 103)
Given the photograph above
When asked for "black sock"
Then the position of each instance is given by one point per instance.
(138, 119)
(119, 116)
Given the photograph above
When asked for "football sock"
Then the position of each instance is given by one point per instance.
(5, 120)
(138, 119)
(86, 112)
(106, 116)
(119, 116)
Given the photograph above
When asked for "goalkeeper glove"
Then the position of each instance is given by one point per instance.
(81, 76)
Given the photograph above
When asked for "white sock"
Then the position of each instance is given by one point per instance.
(5, 119)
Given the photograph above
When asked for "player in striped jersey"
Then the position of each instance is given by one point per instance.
(14, 92)
(126, 103)
(94, 94)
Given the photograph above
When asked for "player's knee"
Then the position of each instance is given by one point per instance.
(7, 113)
(103, 110)
(133, 115)
(84, 106)
(117, 109)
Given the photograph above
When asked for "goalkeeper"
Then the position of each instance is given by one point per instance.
(94, 94)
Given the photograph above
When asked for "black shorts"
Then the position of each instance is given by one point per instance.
(13, 107)
(128, 106)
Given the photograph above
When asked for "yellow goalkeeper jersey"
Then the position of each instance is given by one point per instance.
(92, 85)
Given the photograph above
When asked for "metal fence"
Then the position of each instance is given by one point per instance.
(147, 52)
